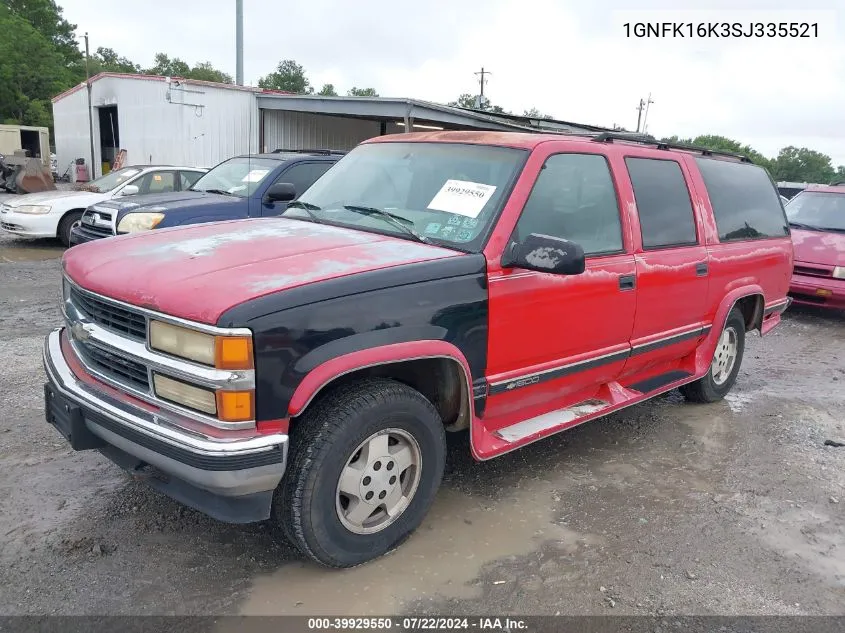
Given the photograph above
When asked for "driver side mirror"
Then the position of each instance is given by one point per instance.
(545, 254)
(129, 190)
(281, 192)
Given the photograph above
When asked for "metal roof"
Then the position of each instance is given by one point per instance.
(397, 109)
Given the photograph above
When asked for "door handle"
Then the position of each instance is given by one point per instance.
(701, 269)
(627, 282)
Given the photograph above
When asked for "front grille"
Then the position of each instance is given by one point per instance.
(812, 271)
(115, 367)
(111, 317)
(94, 232)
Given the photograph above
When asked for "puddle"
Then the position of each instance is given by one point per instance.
(459, 536)
(29, 252)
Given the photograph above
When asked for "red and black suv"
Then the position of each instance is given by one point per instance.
(306, 368)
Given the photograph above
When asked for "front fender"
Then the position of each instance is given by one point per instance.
(327, 371)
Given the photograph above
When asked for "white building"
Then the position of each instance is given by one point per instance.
(160, 120)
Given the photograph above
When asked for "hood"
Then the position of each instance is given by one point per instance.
(172, 201)
(198, 272)
(51, 196)
(819, 247)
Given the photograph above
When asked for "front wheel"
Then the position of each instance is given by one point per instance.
(69, 221)
(725, 364)
(366, 463)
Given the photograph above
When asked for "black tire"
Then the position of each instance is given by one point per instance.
(66, 224)
(706, 389)
(324, 440)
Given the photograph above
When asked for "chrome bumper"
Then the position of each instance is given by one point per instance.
(230, 467)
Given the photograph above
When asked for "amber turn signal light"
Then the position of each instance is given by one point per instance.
(233, 352)
(236, 406)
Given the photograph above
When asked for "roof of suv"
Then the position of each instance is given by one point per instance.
(291, 154)
(143, 167)
(528, 140)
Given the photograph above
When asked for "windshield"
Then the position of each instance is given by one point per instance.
(817, 210)
(113, 179)
(236, 176)
(446, 192)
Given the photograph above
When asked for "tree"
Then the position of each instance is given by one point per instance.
(168, 67)
(289, 77)
(204, 71)
(107, 60)
(468, 101)
(722, 144)
(795, 164)
(534, 113)
(31, 73)
(45, 16)
(328, 90)
(362, 92)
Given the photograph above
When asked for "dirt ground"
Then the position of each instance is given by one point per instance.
(665, 508)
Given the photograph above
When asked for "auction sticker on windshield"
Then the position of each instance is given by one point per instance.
(462, 197)
(255, 175)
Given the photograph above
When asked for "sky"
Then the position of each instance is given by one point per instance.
(568, 58)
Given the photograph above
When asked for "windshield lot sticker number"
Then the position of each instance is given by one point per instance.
(455, 220)
(255, 175)
(433, 228)
(462, 198)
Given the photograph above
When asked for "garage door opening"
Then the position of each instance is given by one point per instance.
(31, 142)
(109, 136)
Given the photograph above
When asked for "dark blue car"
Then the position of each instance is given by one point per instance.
(242, 187)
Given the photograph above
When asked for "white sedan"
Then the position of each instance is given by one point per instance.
(53, 213)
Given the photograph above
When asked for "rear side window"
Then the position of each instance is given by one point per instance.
(663, 203)
(744, 199)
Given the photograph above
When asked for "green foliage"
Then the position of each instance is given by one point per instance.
(106, 60)
(534, 113)
(328, 90)
(176, 67)
(31, 73)
(362, 92)
(467, 100)
(289, 77)
(795, 164)
(45, 16)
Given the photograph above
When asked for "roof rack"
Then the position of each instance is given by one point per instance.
(323, 152)
(647, 139)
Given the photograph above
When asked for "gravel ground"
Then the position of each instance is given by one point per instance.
(665, 508)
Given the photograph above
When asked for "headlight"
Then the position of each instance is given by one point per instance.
(185, 394)
(134, 222)
(839, 272)
(32, 209)
(223, 352)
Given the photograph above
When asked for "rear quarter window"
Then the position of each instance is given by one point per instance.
(745, 202)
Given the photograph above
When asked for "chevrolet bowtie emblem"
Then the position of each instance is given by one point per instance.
(79, 331)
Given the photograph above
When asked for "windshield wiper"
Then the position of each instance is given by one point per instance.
(801, 225)
(307, 207)
(220, 191)
(391, 218)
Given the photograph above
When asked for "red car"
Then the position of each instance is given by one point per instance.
(817, 218)
(306, 368)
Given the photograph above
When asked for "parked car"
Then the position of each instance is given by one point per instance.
(817, 218)
(307, 367)
(241, 187)
(54, 213)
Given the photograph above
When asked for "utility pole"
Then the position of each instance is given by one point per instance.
(239, 42)
(93, 174)
(645, 116)
(640, 114)
(482, 81)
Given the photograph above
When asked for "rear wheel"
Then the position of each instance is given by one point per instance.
(725, 364)
(366, 463)
(69, 220)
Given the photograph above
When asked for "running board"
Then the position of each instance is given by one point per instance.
(661, 380)
(551, 420)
